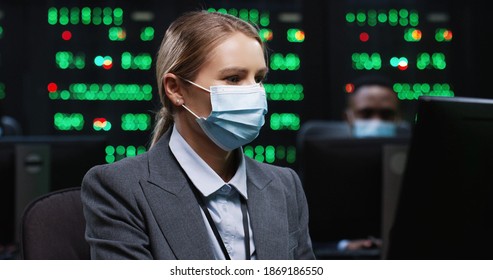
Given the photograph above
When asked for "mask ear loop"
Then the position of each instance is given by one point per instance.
(183, 105)
(197, 85)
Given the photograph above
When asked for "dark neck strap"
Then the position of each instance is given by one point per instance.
(201, 200)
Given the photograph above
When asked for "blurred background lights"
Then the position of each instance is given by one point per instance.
(364, 37)
(101, 124)
(400, 63)
(66, 35)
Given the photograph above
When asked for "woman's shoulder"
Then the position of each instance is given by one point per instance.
(268, 168)
(128, 165)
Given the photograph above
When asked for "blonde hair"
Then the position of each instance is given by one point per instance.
(184, 49)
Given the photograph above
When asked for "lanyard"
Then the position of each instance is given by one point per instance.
(200, 199)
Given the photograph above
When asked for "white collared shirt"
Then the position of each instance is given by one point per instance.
(222, 198)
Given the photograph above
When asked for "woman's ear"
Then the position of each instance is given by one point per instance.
(173, 88)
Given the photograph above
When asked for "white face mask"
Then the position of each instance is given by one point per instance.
(237, 114)
(374, 128)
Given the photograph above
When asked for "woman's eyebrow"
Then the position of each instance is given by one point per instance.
(241, 70)
(231, 70)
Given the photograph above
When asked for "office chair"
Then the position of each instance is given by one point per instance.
(52, 227)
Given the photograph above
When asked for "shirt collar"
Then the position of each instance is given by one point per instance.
(202, 176)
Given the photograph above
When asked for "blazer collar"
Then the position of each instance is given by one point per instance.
(174, 205)
(180, 219)
(267, 208)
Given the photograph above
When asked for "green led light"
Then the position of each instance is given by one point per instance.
(254, 16)
(90, 92)
(141, 61)
(52, 15)
(413, 18)
(372, 17)
(68, 121)
(107, 16)
(110, 158)
(67, 60)
(74, 15)
(284, 92)
(147, 33)
(350, 17)
(134, 122)
(243, 14)
(119, 152)
(86, 15)
(96, 16)
(295, 35)
(412, 35)
(382, 17)
(118, 16)
(110, 150)
(438, 61)
(265, 19)
(285, 121)
(266, 34)
(407, 91)
(289, 62)
(233, 12)
(117, 34)
(131, 151)
(443, 35)
(64, 19)
(393, 17)
(365, 61)
(433, 61)
(271, 154)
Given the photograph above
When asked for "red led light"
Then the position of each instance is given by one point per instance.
(99, 122)
(299, 35)
(364, 37)
(107, 64)
(52, 87)
(402, 65)
(417, 35)
(66, 35)
(349, 88)
(447, 35)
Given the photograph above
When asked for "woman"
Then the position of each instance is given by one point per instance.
(194, 195)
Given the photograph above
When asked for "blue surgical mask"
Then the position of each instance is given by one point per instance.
(374, 128)
(237, 114)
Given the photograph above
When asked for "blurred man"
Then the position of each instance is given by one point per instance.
(373, 108)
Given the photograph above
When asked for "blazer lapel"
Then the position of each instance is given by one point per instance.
(174, 205)
(268, 215)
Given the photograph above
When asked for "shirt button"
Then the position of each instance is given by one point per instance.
(226, 189)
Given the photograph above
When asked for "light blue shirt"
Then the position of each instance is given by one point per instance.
(222, 198)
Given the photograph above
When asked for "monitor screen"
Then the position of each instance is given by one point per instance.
(445, 208)
(343, 178)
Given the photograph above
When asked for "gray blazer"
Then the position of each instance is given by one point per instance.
(143, 207)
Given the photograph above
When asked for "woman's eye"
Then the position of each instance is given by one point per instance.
(233, 79)
(260, 79)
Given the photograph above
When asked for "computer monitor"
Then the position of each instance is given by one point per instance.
(33, 165)
(343, 179)
(445, 209)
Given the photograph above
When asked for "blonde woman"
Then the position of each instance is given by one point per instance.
(194, 195)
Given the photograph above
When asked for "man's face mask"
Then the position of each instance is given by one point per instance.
(374, 128)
